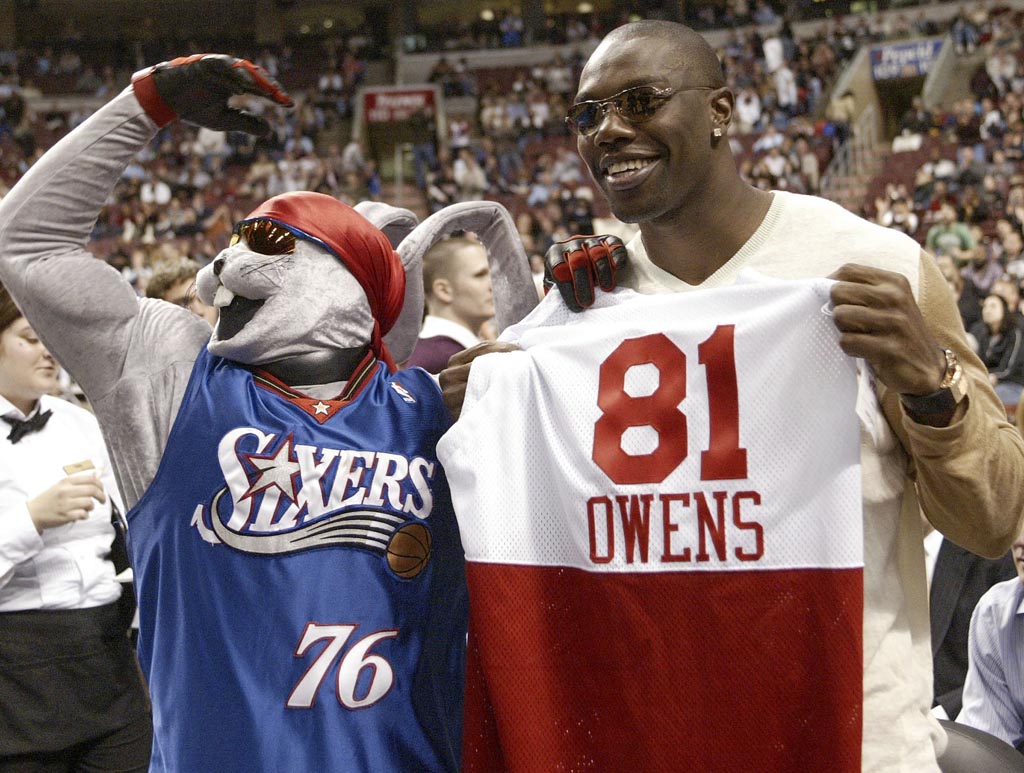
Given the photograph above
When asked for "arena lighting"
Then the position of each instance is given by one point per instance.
(328, 23)
(584, 8)
(304, 29)
(487, 14)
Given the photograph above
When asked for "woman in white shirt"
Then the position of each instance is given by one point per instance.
(71, 696)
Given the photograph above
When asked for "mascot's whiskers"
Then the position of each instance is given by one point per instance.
(281, 261)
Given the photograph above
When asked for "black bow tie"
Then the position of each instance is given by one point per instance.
(20, 428)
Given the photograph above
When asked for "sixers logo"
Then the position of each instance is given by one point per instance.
(283, 497)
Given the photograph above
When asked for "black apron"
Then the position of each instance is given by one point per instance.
(66, 677)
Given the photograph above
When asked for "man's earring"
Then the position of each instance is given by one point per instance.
(717, 131)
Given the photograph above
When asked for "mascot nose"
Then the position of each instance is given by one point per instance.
(218, 266)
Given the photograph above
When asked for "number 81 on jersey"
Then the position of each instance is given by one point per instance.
(724, 459)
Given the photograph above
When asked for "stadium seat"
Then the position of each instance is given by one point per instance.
(974, 751)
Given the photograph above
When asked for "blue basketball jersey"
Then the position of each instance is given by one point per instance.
(300, 577)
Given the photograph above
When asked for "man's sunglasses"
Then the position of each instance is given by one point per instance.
(636, 104)
(265, 237)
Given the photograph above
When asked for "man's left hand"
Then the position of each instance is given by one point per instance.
(880, 321)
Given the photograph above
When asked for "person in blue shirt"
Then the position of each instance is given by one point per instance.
(993, 698)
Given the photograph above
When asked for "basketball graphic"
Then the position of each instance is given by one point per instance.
(409, 550)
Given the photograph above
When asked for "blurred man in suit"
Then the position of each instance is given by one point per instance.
(459, 298)
(957, 579)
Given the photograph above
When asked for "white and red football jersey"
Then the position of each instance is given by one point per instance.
(660, 503)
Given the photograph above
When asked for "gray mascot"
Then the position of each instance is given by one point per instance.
(298, 565)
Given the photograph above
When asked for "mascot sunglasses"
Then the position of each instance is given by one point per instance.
(268, 237)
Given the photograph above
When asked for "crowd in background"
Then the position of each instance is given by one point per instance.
(515, 148)
(174, 207)
(964, 198)
(182, 195)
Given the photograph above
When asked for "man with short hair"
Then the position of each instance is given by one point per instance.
(459, 300)
(174, 281)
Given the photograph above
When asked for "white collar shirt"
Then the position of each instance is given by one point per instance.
(65, 567)
(436, 327)
(994, 690)
(932, 545)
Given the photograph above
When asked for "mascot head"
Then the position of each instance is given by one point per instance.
(304, 274)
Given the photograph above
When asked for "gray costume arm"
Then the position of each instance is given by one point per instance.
(515, 293)
(117, 347)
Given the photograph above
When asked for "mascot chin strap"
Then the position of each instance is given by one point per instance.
(309, 369)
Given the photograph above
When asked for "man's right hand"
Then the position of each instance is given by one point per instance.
(574, 264)
(455, 377)
(70, 499)
(197, 89)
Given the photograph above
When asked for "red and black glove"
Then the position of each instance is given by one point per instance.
(197, 89)
(576, 263)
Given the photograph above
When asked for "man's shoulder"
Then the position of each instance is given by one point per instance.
(432, 354)
(830, 235)
(1003, 597)
(804, 204)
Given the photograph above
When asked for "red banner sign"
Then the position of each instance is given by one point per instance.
(391, 105)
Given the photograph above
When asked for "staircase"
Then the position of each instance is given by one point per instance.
(849, 174)
(849, 184)
(957, 72)
(859, 163)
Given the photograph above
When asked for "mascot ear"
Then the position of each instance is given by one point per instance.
(396, 224)
(515, 293)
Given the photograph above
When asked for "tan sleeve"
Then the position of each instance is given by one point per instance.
(969, 475)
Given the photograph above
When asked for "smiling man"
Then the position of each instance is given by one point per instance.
(651, 120)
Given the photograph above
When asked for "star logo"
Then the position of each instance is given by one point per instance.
(321, 408)
(277, 469)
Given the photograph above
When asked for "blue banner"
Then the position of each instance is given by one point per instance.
(904, 60)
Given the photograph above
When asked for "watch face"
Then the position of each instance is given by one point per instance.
(952, 366)
(954, 378)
